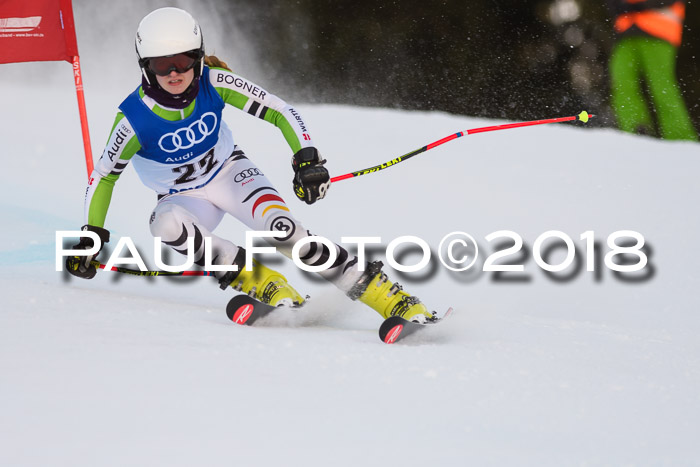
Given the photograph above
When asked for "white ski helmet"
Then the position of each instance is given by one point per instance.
(168, 31)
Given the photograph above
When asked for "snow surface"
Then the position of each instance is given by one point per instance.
(124, 370)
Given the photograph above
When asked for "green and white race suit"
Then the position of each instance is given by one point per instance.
(123, 144)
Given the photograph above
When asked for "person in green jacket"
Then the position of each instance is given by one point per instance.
(649, 33)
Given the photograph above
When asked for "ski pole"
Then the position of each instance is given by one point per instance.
(583, 116)
(138, 272)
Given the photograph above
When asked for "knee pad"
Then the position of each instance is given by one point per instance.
(169, 220)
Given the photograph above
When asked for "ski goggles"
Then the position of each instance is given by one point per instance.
(180, 63)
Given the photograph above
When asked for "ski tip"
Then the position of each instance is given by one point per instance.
(393, 334)
(242, 313)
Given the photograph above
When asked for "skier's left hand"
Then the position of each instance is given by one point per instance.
(311, 178)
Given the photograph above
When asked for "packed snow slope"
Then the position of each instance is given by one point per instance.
(591, 369)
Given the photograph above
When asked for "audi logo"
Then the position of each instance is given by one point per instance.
(240, 176)
(185, 138)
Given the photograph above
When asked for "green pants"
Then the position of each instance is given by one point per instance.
(637, 59)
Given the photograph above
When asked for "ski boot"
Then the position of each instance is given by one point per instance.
(376, 291)
(262, 283)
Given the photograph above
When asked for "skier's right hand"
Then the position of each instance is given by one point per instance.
(80, 266)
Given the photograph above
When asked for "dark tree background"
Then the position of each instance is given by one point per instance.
(517, 59)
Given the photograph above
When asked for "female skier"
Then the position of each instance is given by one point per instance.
(172, 130)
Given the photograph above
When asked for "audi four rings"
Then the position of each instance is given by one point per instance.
(194, 134)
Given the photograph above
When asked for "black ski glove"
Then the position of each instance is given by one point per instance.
(80, 266)
(311, 179)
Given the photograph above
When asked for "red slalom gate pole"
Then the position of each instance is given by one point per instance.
(583, 117)
(77, 74)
